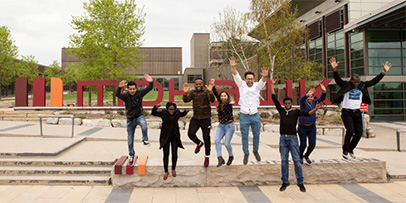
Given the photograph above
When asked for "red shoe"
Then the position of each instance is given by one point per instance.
(197, 150)
(173, 173)
(166, 175)
(206, 161)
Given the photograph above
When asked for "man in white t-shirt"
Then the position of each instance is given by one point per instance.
(249, 102)
(351, 94)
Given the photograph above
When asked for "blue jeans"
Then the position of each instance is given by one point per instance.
(226, 130)
(245, 121)
(304, 133)
(131, 125)
(287, 144)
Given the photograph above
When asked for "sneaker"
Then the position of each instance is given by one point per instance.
(220, 161)
(302, 187)
(166, 175)
(257, 156)
(206, 161)
(230, 160)
(308, 161)
(301, 161)
(284, 186)
(345, 155)
(197, 150)
(173, 173)
(352, 155)
(245, 160)
(131, 160)
(146, 143)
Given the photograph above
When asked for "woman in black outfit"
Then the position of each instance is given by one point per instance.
(170, 134)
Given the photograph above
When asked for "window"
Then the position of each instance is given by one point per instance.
(192, 78)
(357, 53)
(335, 48)
(386, 45)
(388, 101)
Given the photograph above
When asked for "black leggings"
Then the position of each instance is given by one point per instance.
(172, 141)
(205, 125)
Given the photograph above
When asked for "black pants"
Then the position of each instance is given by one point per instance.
(353, 124)
(174, 144)
(205, 124)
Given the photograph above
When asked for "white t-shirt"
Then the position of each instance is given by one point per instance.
(352, 99)
(249, 96)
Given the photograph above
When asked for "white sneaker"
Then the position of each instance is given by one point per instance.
(146, 143)
(345, 155)
(352, 155)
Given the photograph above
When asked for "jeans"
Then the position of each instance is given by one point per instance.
(353, 125)
(205, 124)
(131, 125)
(310, 133)
(226, 130)
(245, 121)
(287, 144)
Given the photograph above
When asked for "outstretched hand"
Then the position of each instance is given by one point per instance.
(323, 88)
(157, 106)
(186, 87)
(211, 85)
(318, 105)
(122, 84)
(264, 72)
(232, 61)
(148, 78)
(386, 66)
(334, 63)
(310, 92)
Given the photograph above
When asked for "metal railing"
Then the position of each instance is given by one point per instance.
(55, 116)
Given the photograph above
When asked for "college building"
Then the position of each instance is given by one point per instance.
(362, 35)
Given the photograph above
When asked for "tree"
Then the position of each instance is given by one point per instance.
(27, 67)
(69, 76)
(52, 70)
(8, 56)
(230, 31)
(281, 37)
(108, 39)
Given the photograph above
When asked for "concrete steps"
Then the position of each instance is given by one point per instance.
(26, 172)
(22, 115)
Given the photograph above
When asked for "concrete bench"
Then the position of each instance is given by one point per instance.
(55, 116)
(398, 137)
(333, 127)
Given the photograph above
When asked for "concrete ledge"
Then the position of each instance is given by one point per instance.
(263, 173)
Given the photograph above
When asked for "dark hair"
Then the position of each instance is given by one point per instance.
(287, 98)
(131, 83)
(169, 104)
(249, 73)
(355, 76)
(198, 79)
(220, 105)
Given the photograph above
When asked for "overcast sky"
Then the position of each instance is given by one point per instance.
(41, 27)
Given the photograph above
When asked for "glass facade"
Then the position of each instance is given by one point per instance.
(165, 82)
(335, 48)
(388, 101)
(356, 53)
(386, 45)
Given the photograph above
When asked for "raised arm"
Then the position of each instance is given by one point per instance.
(379, 77)
(187, 97)
(274, 99)
(118, 90)
(155, 111)
(149, 87)
(334, 64)
(232, 65)
(323, 94)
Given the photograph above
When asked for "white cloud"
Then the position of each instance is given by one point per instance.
(41, 28)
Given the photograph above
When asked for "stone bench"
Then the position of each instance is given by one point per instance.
(324, 171)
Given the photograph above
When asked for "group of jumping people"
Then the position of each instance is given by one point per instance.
(350, 95)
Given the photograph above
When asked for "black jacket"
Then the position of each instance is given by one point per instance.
(133, 103)
(169, 126)
(346, 87)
